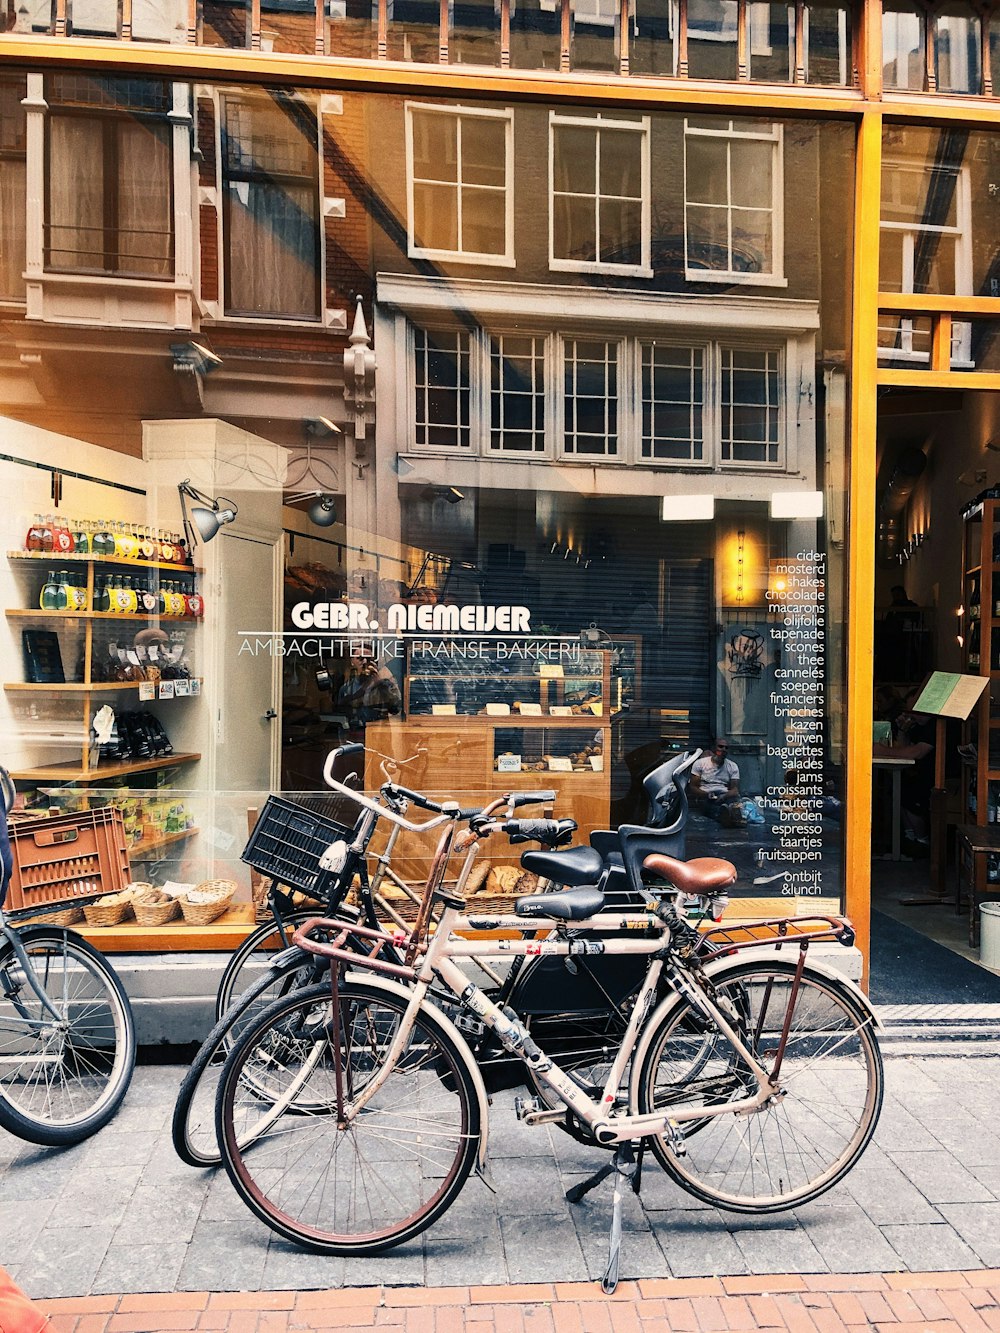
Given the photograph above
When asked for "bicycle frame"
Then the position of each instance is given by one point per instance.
(9, 933)
(436, 962)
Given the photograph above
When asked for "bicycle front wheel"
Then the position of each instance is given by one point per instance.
(328, 1179)
(193, 1124)
(63, 1074)
(828, 1088)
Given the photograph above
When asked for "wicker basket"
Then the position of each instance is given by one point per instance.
(203, 913)
(69, 916)
(152, 913)
(110, 913)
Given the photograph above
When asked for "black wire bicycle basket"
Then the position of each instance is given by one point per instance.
(290, 837)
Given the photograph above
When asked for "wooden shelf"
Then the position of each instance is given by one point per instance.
(73, 772)
(54, 558)
(223, 935)
(20, 613)
(514, 719)
(142, 851)
(77, 687)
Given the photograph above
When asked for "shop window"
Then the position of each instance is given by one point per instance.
(517, 394)
(600, 195)
(903, 36)
(12, 187)
(924, 247)
(591, 397)
(109, 196)
(750, 406)
(772, 42)
(595, 34)
(957, 49)
(270, 179)
(460, 166)
(414, 30)
(827, 34)
(442, 382)
(733, 202)
(474, 38)
(672, 402)
(535, 34)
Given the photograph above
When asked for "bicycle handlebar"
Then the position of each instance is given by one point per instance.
(519, 798)
(447, 811)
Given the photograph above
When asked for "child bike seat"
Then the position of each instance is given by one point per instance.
(570, 905)
(577, 865)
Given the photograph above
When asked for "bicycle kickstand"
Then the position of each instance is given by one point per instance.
(624, 1166)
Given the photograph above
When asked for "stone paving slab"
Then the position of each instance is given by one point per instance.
(121, 1214)
(785, 1303)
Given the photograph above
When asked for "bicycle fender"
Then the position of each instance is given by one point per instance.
(432, 1014)
(712, 970)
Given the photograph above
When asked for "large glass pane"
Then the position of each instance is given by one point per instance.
(484, 215)
(574, 159)
(435, 146)
(484, 151)
(435, 216)
(12, 186)
(351, 27)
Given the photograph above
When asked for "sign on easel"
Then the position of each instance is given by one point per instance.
(949, 694)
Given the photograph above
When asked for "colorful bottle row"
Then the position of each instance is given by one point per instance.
(125, 541)
(120, 594)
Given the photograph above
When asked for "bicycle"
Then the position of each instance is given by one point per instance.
(192, 1122)
(67, 1035)
(350, 1114)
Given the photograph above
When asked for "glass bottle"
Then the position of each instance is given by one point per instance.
(148, 600)
(39, 536)
(81, 538)
(148, 547)
(102, 597)
(104, 540)
(53, 594)
(195, 601)
(62, 541)
(974, 645)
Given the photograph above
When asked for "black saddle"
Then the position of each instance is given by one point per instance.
(575, 866)
(570, 905)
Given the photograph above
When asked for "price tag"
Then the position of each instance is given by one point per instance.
(529, 710)
(559, 764)
(195, 686)
(498, 710)
(166, 689)
(551, 671)
(509, 763)
(147, 691)
(443, 710)
(560, 710)
(182, 688)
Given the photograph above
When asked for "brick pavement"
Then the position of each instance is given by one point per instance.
(953, 1302)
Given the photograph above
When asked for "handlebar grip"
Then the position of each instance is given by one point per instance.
(519, 798)
(342, 751)
(469, 813)
(533, 830)
(421, 801)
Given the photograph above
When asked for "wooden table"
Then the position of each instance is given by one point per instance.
(975, 843)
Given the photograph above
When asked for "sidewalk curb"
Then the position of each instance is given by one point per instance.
(950, 1301)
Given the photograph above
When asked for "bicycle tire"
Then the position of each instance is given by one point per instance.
(796, 1147)
(297, 1197)
(192, 1126)
(253, 954)
(71, 1079)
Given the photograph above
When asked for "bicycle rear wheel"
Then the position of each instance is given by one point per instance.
(253, 957)
(368, 1183)
(830, 1084)
(62, 1079)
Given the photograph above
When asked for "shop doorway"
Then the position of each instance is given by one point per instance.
(937, 609)
(247, 703)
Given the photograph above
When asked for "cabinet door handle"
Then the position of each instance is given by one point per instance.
(269, 715)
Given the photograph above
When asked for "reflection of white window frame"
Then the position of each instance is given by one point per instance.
(958, 52)
(703, 406)
(841, 41)
(961, 338)
(775, 277)
(899, 61)
(615, 356)
(758, 24)
(459, 114)
(602, 126)
(472, 353)
(497, 336)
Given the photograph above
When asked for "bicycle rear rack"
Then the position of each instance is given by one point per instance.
(720, 941)
(334, 949)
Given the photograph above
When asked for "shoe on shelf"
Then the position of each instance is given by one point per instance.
(969, 752)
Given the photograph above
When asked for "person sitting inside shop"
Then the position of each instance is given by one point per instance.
(715, 789)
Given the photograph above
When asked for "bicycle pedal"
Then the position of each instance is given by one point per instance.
(674, 1133)
(469, 1024)
(525, 1106)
